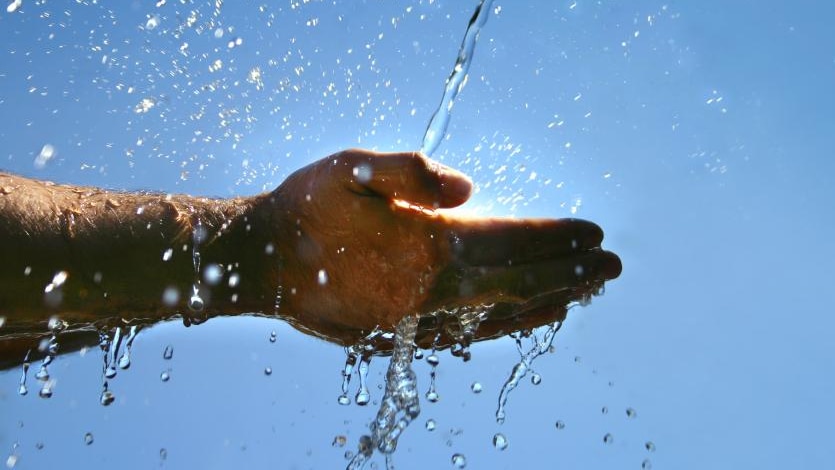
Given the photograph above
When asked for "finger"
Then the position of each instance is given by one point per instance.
(407, 176)
(521, 283)
(505, 242)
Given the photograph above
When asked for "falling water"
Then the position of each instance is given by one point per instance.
(436, 129)
(195, 302)
(124, 360)
(22, 387)
(400, 404)
(540, 346)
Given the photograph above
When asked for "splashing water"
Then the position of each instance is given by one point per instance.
(436, 129)
(400, 404)
(539, 347)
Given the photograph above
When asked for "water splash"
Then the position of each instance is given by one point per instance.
(539, 347)
(400, 404)
(436, 129)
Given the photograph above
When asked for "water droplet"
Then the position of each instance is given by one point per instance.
(11, 8)
(39, 445)
(268, 371)
(152, 22)
(110, 372)
(164, 376)
(166, 255)
(430, 424)
(499, 441)
(195, 302)
(646, 464)
(88, 438)
(630, 413)
(234, 280)
(650, 446)
(170, 296)
(608, 439)
(2, 321)
(432, 360)
(22, 390)
(107, 397)
(432, 396)
(362, 398)
(560, 424)
(124, 361)
(418, 354)
(168, 353)
(349, 455)
(212, 274)
(476, 387)
(46, 390)
(604, 410)
(339, 441)
(363, 173)
(343, 400)
(163, 454)
(11, 461)
(536, 379)
(459, 461)
(322, 277)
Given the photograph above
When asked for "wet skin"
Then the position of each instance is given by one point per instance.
(351, 242)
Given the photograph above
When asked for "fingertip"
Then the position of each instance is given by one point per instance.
(455, 188)
(612, 267)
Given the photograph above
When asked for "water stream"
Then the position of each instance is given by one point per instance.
(437, 127)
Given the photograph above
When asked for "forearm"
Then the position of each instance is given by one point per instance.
(124, 254)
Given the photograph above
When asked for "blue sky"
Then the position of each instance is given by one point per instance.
(695, 134)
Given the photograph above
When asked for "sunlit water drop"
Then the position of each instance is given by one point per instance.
(476, 387)
(430, 424)
(88, 438)
(608, 438)
(559, 425)
(459, 461)
(168, 352)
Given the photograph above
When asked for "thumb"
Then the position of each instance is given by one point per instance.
(407, 176)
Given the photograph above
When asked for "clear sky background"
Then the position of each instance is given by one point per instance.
(694, 133)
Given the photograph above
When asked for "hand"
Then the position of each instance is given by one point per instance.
(361, 245)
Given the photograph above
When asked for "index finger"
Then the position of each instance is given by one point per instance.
(505, 242)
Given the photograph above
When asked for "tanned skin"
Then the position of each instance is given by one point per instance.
(351, 242)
